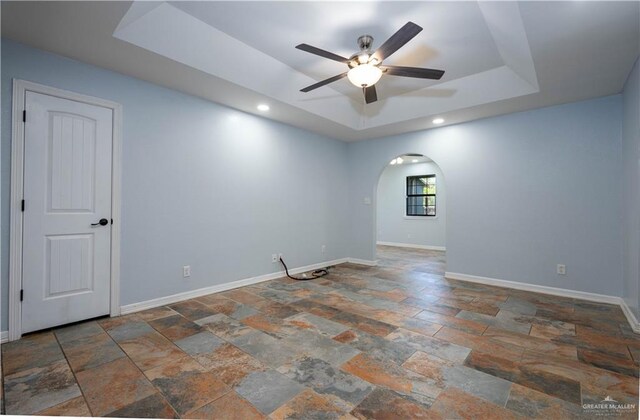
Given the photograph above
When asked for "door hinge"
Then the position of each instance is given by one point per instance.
(21, 295)
(23, 205)
(24, 115)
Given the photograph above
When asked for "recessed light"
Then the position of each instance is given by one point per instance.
(399, 161)
(438, 120)
(263, 107)
(415, 161)
(393, 162)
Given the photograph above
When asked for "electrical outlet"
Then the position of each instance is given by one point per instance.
(186, 271)
(280, 257)
(409, 235)
(323, 249)
(561, 269)
(274, 258)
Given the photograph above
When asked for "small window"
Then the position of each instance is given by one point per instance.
(421, 195)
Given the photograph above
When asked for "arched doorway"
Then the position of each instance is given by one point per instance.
(410, 209)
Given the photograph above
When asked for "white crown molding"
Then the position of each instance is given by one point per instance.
(416, 246)
(167, 300)
(555, 291)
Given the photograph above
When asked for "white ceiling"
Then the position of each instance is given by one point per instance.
(337, 27)
(499, 57)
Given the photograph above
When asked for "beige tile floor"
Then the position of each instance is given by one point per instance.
(394, 341)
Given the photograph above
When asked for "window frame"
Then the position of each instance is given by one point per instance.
(409, 196)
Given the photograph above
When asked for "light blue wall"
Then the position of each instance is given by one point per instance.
(631, 189)
(222, 190)
(525, 192)
(393, 225)
(203, 184)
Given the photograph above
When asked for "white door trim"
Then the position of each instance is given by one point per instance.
(20, 87)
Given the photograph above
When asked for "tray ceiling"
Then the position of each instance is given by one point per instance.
(499, 57)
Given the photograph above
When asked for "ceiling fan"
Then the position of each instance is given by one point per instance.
(365, 67)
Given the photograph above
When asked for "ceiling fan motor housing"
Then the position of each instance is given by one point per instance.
(365, 42)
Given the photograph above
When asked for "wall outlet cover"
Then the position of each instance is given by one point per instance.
(561, 269)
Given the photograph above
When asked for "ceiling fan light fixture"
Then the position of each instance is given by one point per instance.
(363, 58)
(364, 71)
(364, 75)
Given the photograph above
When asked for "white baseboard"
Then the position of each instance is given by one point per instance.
(548, 290)
(416, 246)
(370, 263)
(633, 321)
(4, 336)
(167, 300)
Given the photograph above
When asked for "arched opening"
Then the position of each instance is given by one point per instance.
(410, 213)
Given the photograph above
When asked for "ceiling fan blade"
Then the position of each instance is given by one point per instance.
(397, 40)
(324, 82)
(413, 72)
(370, 94)
(322, 53)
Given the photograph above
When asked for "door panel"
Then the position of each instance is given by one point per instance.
(67, 188)
(70, 265)
(72, 157)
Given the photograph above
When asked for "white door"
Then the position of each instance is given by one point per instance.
(67, 191)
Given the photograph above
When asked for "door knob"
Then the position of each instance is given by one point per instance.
(102, 222)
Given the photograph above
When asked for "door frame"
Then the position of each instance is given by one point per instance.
(20, 88)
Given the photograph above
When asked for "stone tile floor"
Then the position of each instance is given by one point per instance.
(393, 341)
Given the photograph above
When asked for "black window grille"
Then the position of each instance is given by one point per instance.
(421, 195)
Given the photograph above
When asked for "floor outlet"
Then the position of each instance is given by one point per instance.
(186, 271)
